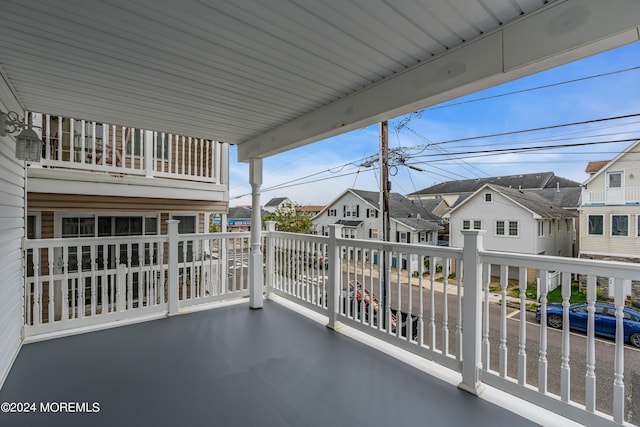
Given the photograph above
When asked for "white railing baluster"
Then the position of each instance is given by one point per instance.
(129, 277)
(169, 139)
(201, 144)
(522, 346)
(445, 307)
(92, 250)
(47, 137)
(78, 289)
(409, 298)
(565, 371)
(618, 375)
(189, 156)
(66, 315)
(590, 376)
(141, 274)
(486, 345)
(420, 300)
(60, 138)
(104, 285)
(82, 142)
(458, 331)
(433, 262)
(504, 281)
(542, 358)
(206, 158)
(93, 143)
(399, 294)
(37, 310)
(72, 142)
(50, 255)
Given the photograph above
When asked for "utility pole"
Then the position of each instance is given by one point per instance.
(385, 186)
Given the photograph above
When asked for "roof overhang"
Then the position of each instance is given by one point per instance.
(271, 76)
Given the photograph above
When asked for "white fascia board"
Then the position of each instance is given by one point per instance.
(558, 34)
(42, 180)
(9, 101)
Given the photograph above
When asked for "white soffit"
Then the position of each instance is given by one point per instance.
(273, 75)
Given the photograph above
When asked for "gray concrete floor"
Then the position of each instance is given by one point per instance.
(233, 366)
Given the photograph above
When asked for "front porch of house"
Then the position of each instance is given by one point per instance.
(284, 367)
(233, 366)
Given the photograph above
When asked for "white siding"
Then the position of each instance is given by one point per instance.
(349, 199)
(501, 208)
(11, 232)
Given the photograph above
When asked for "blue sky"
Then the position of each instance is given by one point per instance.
(336, 160)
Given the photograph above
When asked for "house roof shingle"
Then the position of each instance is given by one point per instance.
(566, 197)
(534, 202)
(521, 181)
(276, 201)
(408, 212)
(593, 167)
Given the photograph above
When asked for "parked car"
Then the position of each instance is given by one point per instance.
(604, 316)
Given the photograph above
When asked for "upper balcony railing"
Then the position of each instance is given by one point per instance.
(91, 146)
(464, 308)
(612, 196)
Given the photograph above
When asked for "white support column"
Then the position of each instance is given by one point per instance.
(172, 279)
(256, 274)
(149, 161)
(335, 268)
(472, 312)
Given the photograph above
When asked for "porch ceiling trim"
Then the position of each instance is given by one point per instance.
(559, 34)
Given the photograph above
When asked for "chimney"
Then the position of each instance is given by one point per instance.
(557, 187)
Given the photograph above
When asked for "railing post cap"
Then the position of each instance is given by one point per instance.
(173, 221)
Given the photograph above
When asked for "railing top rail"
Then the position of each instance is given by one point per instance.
(88, 241)
(412, 248)
(617, 269)
(214, 236)
(297, 236)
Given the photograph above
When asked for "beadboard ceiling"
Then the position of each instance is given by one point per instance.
(273, 75)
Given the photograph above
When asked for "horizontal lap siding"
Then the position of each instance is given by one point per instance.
(40, 202)
(12, 231)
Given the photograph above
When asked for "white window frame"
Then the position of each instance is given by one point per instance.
(540, 228)
(472, 224)
(517, 223)
(503, 227)
(57, 220)
(348, 233)
(609, 174)
(603, 225)
(611, 225)
(375, 234)
(638, 225)
(488, 197)
(351, 211)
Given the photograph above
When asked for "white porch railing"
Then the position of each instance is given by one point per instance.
(91, 146)
(73, 283)
(450, 288)
(432, 301)
(611, 196)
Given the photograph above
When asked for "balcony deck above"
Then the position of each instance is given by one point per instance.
(233, 366)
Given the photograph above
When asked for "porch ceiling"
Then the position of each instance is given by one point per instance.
(274, 75)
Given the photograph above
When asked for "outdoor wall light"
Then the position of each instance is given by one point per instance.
(28, 143)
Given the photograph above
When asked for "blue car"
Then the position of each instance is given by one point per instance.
(604, 316)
